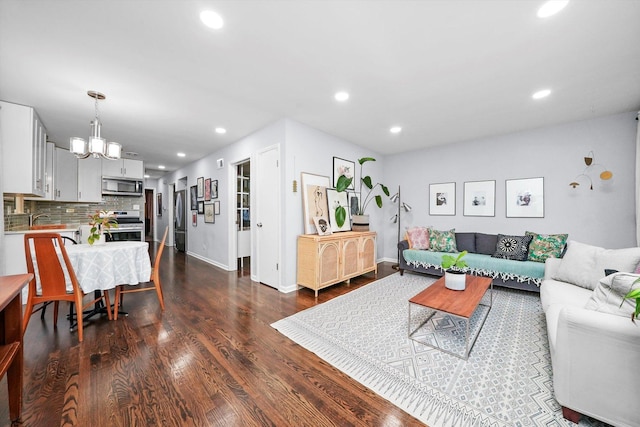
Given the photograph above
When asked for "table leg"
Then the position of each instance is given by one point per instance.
(13, 333)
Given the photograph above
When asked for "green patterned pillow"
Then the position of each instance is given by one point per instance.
(442, 241)
(545, 246)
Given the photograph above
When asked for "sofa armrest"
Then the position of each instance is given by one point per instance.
(402, 245)
(551, 265)
(595, 365)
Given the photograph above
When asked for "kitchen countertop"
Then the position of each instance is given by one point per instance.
(70, 228)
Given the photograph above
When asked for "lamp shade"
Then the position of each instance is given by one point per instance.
(78, 146)
(114, 150)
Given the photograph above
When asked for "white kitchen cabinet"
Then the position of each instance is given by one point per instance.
(65, 176)
(89, 180)
(123, 168)
(23, 139)
(49, 171)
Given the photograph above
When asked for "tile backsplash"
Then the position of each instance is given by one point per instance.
(64, 212)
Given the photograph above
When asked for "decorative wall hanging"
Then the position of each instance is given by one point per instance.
(209, 216)
(524, 198)
(200, 187)
(590, 169)
(159, 203)
(200, 207)
(216, 207)
(214, 188)
(207, 189)
(193, 193)
(479, 198)
(442, 199)
(343, 167)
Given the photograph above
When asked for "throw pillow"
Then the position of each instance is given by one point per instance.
(609, 294)
(418, 237)
(486, 243)
(583, 265)
(442, 241)
(545, 246)
(466, 242)
(512, 247)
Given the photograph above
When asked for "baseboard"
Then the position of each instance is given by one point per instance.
(209, 261)
(387, 259)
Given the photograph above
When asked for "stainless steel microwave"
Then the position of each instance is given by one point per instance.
(122, 186)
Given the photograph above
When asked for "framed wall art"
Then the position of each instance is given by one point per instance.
(524, 198)
(193, 193)
(209, 216)
(194, 218)
(200, 186)
(343, 167)
(214, 188)
(207, 189)
(335, 199)
(314, 199)
(442, 199)
(201, 207)
(159, 203)
(480, 198)
(216, 207)
(322, 225)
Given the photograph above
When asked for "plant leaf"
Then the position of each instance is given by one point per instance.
(385, 190)
(379, 200)
(343, 183)
(367, 182)
(366, 159)
(341, 215)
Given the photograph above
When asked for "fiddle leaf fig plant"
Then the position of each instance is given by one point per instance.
(100, 222)
(344, 183)
(450, 261)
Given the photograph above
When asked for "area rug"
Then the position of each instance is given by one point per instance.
(506, 380)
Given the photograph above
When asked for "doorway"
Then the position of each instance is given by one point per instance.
(267, 216)
(148, 214)
(243, 216)
(180, 215)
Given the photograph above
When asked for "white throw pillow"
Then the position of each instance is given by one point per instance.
(610, 292)
(583, 265)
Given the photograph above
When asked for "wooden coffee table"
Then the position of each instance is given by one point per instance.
(459, 304)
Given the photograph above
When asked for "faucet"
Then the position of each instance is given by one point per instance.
(34, 218)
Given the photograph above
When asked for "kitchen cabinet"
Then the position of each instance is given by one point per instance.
(23, 138)
(326, 260)
(123, 168)
(49, 171)
(89, 180)
(65, 176)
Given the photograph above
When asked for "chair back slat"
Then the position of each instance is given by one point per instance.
(50, 253)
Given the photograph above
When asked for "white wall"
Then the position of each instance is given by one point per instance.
(603, 217)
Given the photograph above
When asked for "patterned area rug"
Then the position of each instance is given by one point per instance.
(505, 382)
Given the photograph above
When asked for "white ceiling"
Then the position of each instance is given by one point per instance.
(445, 71)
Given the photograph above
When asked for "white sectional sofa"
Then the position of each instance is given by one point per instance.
(595, 347)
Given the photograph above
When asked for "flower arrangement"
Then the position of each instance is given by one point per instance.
(100, 222)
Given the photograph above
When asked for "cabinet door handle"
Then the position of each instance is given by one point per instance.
(259, 224)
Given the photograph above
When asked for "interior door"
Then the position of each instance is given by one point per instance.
(267, 190)
(180, 219)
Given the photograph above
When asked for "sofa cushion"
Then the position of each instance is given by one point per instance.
(545, 246)
(608, 296)
(583, 265)
(563, 293)
(466, 242)
(512, 247)
(418, 237)
(442, 241)
(486, 243)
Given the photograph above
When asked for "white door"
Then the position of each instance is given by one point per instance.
(267, 190)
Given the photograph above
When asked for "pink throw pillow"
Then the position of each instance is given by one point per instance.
(418, 237)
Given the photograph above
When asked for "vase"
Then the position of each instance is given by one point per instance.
(360, 222)
(101, 241)
(455, 280)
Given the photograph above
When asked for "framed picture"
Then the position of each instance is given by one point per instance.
(343, 167)
(207, 189)
(209, 217)
(314, 199)
(214, 189)
(194, 218)
(200, 187)
(322, 225)
(200, 207)
(354, 202)
(524, 198)
(193, 193)
(159, 203)
(480, 198)
(442, 199)
(335, 199)
(216, 207)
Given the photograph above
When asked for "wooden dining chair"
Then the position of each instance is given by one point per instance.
(47, 252)
(155, 282)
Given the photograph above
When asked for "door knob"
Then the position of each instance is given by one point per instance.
(259, 224)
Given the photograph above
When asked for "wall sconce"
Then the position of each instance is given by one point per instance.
(588, 160)
(396, 218)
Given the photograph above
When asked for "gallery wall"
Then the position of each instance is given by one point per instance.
(604, 216)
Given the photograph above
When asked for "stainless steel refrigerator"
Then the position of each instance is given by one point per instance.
(180, 220)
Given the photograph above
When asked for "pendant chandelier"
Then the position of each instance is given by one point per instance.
(97, 146)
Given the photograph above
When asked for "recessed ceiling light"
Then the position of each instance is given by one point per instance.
(181, 155)
(221, 130)
(160, 166)
(341, 96)
(541, 94)
(211, 19)
(551, 7)
(395, 129)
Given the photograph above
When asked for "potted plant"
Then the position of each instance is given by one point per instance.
(634, 294)
(360, 219)
(100, 222)
(454, 275)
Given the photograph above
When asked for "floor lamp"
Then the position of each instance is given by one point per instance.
(396, 220)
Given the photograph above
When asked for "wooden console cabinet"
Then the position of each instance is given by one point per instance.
(326, 260)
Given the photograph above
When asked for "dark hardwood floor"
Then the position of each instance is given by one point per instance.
(211, 359)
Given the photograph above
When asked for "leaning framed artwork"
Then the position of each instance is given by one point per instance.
(442, 199)
(480, 198)
(343, 167)
(335, 199)
(524, 198)
(314, 199)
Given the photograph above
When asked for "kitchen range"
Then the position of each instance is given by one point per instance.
(130, 227)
